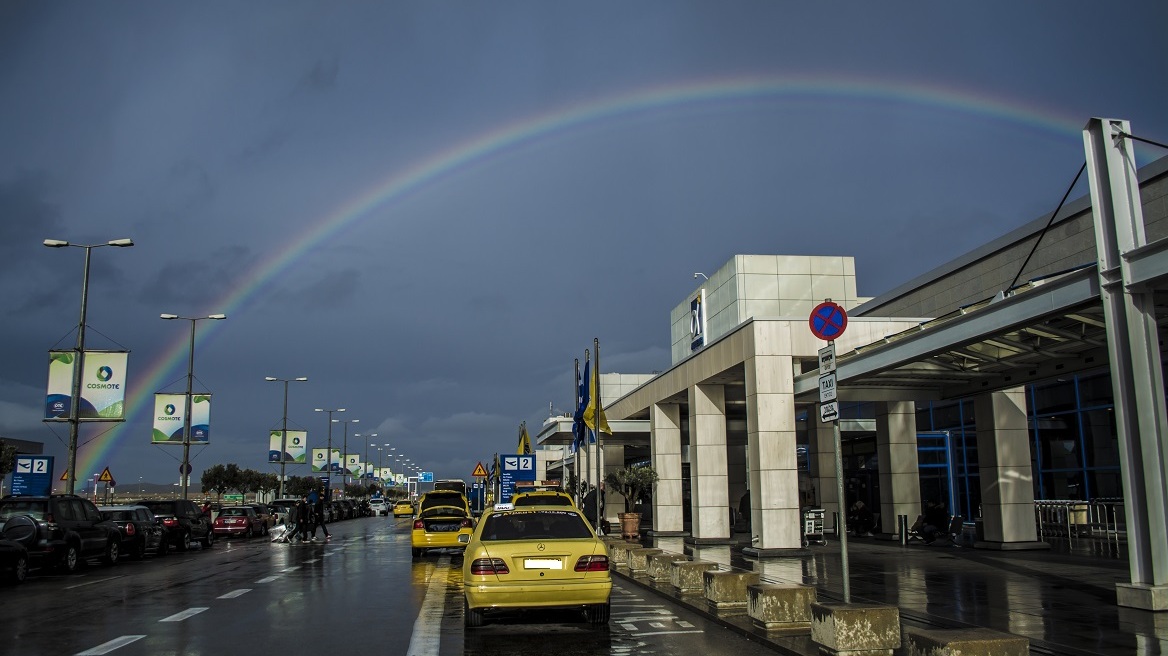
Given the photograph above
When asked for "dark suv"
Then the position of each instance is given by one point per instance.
(60, 530)
(182, 521)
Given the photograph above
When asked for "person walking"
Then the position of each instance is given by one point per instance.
(319, 512)
(304, 517)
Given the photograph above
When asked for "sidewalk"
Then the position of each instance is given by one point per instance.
(1064, 603)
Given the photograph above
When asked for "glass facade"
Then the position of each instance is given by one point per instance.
(1074, 444)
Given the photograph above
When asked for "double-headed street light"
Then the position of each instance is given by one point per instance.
(284, 432)
(345, 448)
(328, 456)
(185, 468)
(79, 354)
(367, 436)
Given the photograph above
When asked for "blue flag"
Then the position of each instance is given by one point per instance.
(578, 428)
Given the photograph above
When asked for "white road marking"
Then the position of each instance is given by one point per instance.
(314, 560)
(111, 645)
(428, 627)
(190, 612)
(683, 623)
(82, 585)
(665, 633)
(267, 579)
(235, 593)
(629, 627)
(290, 569)
(657, 625)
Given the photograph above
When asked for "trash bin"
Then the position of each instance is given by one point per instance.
(813, 526)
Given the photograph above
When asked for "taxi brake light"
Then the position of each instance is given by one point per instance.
(593, 563)
(482, 566)
(419, 524)
(466, 523)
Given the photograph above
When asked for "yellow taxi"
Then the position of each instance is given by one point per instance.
(535, 557)
(403, 508)
(542, 498)
(443, 516)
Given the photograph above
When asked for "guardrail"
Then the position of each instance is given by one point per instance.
(1071, 520)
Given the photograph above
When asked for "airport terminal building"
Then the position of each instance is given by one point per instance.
(962, 387)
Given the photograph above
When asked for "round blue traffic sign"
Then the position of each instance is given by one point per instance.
(828, 321)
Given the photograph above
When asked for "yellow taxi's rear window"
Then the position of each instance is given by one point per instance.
(534, 525)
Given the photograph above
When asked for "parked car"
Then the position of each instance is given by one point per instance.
(239, 520)
(140, 531)
(14, 559)
(378, 507)
(443, 518)
(534, 557)
(280, 509)
(265, 513)
(182, 522)
(61, 530)
(348, 509)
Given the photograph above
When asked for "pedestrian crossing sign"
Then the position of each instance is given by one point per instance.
(480, 471)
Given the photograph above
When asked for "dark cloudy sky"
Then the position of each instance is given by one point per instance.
(561, 170)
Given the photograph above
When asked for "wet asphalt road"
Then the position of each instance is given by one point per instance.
(359, 591)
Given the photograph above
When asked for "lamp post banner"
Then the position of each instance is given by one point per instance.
(295, 452)
(168, 418)
(103, 386)
(353, 463)
(319, 460)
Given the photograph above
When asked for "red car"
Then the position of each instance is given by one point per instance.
(239, 520)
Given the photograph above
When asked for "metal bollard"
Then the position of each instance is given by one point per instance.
(902, 528)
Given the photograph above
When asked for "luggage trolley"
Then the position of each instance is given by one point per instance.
(813, 526)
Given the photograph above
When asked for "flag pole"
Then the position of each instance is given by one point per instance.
(576, 452)
(596, 420)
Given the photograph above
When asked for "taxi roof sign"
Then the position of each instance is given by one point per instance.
(480, 471)
(106, 476)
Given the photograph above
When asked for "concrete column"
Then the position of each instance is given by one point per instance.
(613, 458)
(821, 453)
(1007, 480)
(770, 447)
(896, 452)
(709, 499)
(665, 448)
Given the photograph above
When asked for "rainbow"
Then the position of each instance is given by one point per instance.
(513, 137)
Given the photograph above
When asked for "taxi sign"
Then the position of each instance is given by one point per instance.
(107, 477)
(827, 388)
(480, 471)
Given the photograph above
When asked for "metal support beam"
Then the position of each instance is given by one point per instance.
(1134, 351)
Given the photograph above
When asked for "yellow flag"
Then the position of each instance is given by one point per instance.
(594, 409)
(524, 440)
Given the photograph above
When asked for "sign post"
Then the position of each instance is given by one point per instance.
(827, 322)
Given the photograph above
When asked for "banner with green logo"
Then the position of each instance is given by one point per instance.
(103, 386)
(169, 418)
(353, 463)
(318, 460)
(294, 447)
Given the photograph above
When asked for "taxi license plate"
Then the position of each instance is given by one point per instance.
(542, 563)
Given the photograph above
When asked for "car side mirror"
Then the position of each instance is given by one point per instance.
(464, 539)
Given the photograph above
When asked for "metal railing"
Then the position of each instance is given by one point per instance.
(1098, 519)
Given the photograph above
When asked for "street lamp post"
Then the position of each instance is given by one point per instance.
(328, 456)
(345, 448)
(284, 432)
(367, 436)
(79, 354)
(185, 468)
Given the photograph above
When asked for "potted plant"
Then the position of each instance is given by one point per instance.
(634, 484)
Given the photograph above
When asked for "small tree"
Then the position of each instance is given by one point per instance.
(633, 483)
